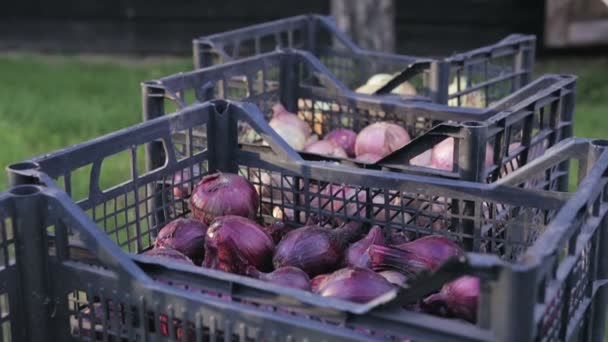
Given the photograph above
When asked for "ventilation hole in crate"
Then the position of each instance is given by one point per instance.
(237, 88)
(60, 182)
(170, 106)
(79, 181)
(140, 152)
(4, 306)
(192, 141)
(11, 253)
(575, 175)
(269, 43)
(8, 230)
(6, 331)
(115, 170)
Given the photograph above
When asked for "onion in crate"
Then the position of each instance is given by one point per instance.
(290, 127)
(355, 284)
(442, 157)
(182, 181)
(234, 242)
(381, 138)
(222, 194)
(184, 235)
(315, 249)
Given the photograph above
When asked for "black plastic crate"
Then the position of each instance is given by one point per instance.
(518, 128)
(473, 79)
(537, 252)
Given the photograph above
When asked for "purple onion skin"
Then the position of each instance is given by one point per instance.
(286, 276)
(458, 298)
(344, 138)
(399, 237)
(181, 179)
(223, 194)
(186, 236)
(234, 242)
(354, 284)
(169, 253)
(356, 255)
(434, 247)
(277, 230)
(424, 254)
(315, 250)
(316, 282)
(394, 277)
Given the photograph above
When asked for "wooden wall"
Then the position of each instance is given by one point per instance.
(167, 27)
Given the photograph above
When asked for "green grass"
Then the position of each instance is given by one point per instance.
(50, 102)
(591, 92)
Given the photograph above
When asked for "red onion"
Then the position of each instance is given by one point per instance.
(235, 242)
(356, 255)
(442, 157)
(326, 148)
(424, 254)
(222, 194)
(317, 281)
(290, 127)
(354, 284)
(344, 138)
(381, 138)
(313, 249)
(368, 158)
(182, 181)
(286, 276)
(185, 235)
(168, 253)
(277, 230)
(394, 277)
(458, 298)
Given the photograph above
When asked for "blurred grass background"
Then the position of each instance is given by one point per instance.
(50, 102)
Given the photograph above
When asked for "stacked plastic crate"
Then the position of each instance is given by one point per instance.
(73, 266)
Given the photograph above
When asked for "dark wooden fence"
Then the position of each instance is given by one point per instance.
(167, 27)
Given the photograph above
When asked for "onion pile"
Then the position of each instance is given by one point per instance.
(329, 257)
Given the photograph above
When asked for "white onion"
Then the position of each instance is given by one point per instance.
(423, 159)
(381, 138)
(290, 127)
(442, 157)
(326, 148)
